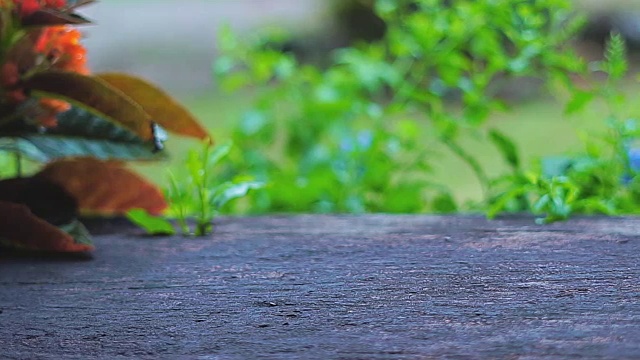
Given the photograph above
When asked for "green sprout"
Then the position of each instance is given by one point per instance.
(195, 198)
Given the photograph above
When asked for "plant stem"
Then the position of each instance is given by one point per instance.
(18, 163)
(182, 221)
(202, 182)
(203, 228)
(472, 162)
(177, 197)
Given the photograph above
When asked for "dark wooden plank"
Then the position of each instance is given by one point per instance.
(348, 287)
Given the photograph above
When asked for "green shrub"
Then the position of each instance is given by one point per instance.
(351, 137)
(602, 179)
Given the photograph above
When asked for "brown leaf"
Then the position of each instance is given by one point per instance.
(52, 17)
(95, 95)
(19, 227)
(104, 187)
(163, 108)
(44, 198)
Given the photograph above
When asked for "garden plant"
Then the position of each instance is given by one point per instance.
(357, 133)
(361, 133)
(83, 127)
(195, 195)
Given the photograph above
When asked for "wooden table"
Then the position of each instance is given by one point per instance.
(335, 287)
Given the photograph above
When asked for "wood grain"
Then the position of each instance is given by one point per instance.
(335, 287)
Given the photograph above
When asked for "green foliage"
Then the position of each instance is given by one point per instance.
(604, 178)
(615, 64)
(197, 193)
(507, 148)
(80, 125)
(153, 225)
(7, 166)
(555, 198)
(349, 137)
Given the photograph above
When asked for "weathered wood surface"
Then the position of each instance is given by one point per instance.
(336, 287)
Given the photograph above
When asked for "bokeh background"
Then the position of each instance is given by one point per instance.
(172, 43)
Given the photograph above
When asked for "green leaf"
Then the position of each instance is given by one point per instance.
(200, 163)
(444, 203)
(219, 152)
(44, 148)
(501, 202)
(179, 202)
(229, 191)
(556, 165)
(385, 7)
(615, 63)
(227, 39)
(83, 123)
(507, 148)
(151, 224)
(82, 133)
(78, 232)
(578, 101)
(542, 204)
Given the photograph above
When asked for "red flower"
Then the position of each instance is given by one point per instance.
(28, 7)
(9, 75)
(9, 78)
(55, 4)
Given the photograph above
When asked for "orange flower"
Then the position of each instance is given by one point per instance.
(50, 109)
(61, 47)
(57, 47)
(55, 105)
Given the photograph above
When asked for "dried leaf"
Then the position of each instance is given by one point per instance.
(20, 228)
(163, 108)
(104, 187)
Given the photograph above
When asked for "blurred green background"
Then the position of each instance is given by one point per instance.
(172, 43)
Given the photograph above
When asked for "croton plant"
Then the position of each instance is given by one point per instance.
(82, 127)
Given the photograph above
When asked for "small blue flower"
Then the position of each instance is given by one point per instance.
(365, 139)
(634, 159)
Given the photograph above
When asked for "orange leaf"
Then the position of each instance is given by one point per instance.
(93, 94)
(163, 108)
(21, 228)
(104, 187)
